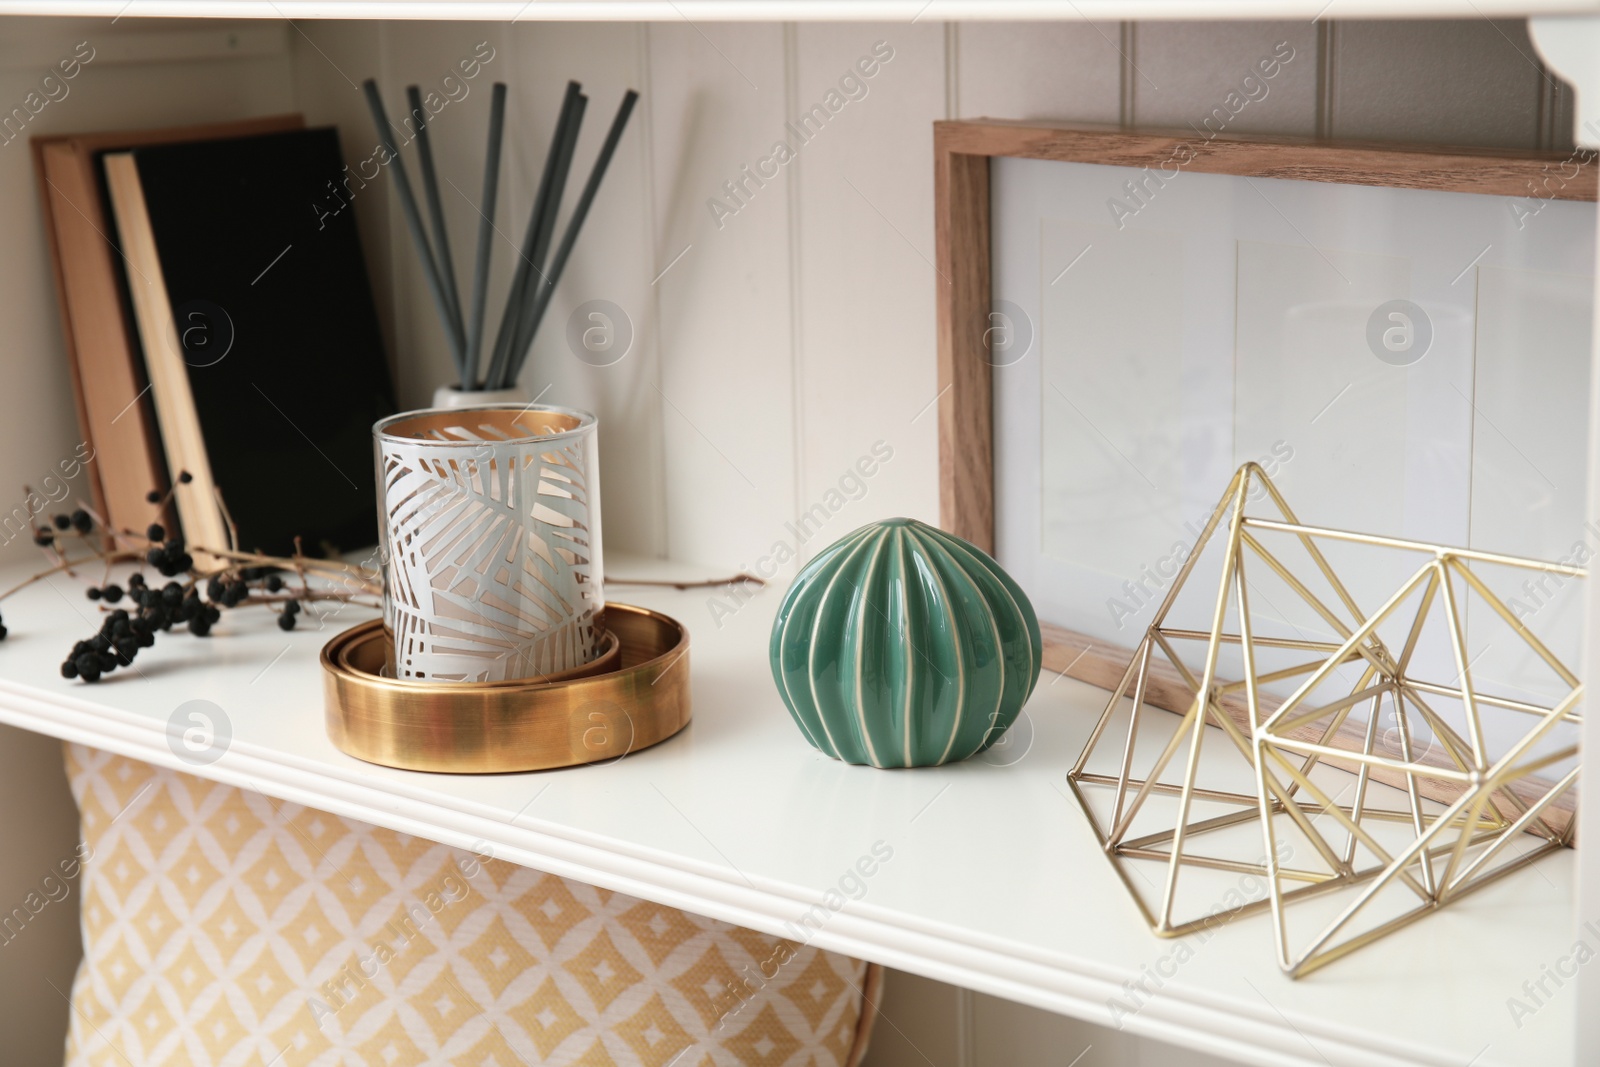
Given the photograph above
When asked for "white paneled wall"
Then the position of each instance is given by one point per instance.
(724, 287)
(1171, 89)
(864, 249)
(776, 338)
(1393, 81)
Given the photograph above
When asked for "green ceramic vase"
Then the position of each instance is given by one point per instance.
(902, 646)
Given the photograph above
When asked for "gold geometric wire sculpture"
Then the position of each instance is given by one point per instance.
(1423, 828)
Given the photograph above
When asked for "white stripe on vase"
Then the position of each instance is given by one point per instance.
(961, 666)
(865, 587)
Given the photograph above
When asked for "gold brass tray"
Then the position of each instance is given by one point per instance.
(482, 728)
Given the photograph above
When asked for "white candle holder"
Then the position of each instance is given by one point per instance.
(491, 541)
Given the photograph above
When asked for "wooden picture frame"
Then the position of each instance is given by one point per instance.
(961, 154)
(962, 151)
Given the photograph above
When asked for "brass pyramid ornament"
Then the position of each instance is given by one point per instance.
(1309, 802)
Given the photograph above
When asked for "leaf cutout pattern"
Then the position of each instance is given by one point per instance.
(491, 555)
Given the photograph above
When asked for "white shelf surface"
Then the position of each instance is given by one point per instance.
(798, 10)
(995, 884)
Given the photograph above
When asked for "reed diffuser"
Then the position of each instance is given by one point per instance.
(534, 281)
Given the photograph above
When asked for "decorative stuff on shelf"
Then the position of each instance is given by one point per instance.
(136, 609)
(534, 280)
(491, 541)
(497, 651)
(902, 646)
(1472, 781)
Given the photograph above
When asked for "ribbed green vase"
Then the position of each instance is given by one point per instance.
(902, 646)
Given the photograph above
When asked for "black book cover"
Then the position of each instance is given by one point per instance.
(277, 327)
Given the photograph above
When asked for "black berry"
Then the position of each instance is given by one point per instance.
(185, 477)
(111, 593)
(81, 521)
(286, 621)
(69, 669)
(156, 532)
(93, 592)
(62, 522)
(153, 497)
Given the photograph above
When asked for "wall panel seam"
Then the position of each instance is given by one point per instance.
(1127, 68)
(1327, 64)
(792, 205)
(647, 191)
(952, 70)
(966, 1038)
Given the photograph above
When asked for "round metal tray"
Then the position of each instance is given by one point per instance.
(482, 728)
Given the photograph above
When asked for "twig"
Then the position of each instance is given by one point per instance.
(227, 517)
(742, 578)
(255, 559)
(63, 566)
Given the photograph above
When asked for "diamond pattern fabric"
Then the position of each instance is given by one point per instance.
(225, 927)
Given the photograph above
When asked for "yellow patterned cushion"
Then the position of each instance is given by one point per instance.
(223, 927)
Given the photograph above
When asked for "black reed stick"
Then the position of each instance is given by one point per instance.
(500, 361)
(574, 225)
(408, 206)
(491, 191)
(441, 237)
(548, 204)
(541, 248)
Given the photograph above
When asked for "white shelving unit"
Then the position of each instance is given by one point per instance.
(995, 883)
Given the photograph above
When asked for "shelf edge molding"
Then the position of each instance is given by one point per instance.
(991, 965)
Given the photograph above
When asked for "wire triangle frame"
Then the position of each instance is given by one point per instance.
(1494, 801)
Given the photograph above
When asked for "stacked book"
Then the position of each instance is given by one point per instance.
(220, 324)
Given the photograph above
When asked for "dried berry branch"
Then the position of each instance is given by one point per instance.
(243, 579)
